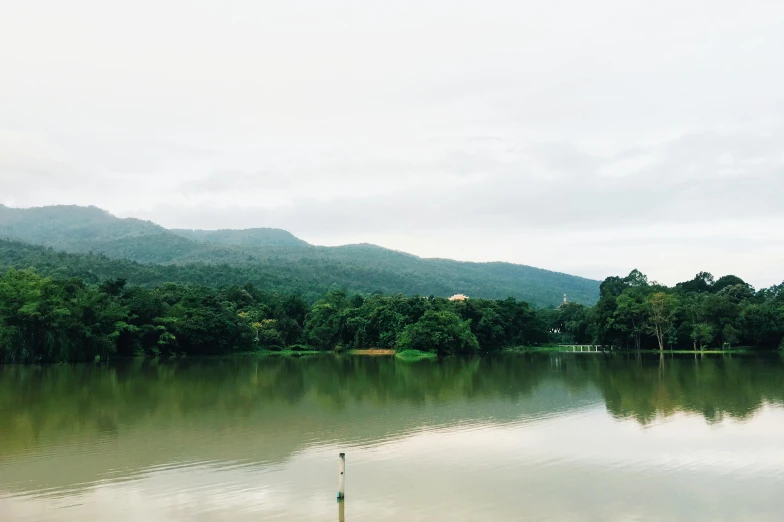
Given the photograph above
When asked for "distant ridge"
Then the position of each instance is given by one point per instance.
(247, 237)
(284, 261)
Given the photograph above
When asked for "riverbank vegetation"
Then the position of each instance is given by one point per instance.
(59, 320)
(698, 315)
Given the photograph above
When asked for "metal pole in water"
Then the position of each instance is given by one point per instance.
(342, 476)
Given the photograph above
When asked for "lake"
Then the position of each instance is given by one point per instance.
(562, 437)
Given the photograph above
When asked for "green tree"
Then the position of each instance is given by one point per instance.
(702, 334)
(442, 332)
(731, 335)
(631, 314)
(702, 282)
(662, 309)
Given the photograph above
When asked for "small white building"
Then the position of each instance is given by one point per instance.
(458, 297)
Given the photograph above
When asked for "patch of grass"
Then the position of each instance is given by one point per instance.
(415, 355)
(372, 351)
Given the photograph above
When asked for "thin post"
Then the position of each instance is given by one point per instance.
(342, 476)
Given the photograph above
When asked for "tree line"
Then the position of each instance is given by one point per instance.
(44, 319)
(50, 320)
(701, 313)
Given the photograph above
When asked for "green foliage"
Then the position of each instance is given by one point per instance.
(51, 320)
(696, 314)
(702, 282)
(442, 332)
(702, 334)
(42, 320)
(631, 313)
(726, 281)
(661, 308)
(731, 335)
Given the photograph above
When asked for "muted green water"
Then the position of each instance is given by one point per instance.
(565, 437)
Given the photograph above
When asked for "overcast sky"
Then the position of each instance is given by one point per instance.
(585, 137)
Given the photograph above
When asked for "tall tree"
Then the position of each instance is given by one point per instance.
(662, 310)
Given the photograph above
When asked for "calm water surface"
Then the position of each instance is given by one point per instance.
(566, 437)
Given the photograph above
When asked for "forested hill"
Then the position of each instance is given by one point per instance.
(248, 237)
(272, 259)
(70, 226)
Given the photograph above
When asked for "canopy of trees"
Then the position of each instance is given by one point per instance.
(48, 320)
(695, 314)
(45, 319)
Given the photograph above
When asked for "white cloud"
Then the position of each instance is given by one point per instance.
(532, 132)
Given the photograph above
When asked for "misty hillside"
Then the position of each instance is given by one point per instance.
(65, 226)
(270, 258)
(248, 237)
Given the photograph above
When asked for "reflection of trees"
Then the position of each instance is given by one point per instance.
(712, 387)
(76, 402)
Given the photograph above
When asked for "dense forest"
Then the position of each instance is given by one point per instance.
(696, 314)
(46, 319)
(271, 259)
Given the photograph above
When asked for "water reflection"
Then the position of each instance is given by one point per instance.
(234, 437)
(68, 402)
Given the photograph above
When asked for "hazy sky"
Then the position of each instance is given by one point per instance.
(586, 137)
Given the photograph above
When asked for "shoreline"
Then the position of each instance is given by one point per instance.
(412, 355)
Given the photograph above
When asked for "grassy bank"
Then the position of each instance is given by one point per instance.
(372, 351)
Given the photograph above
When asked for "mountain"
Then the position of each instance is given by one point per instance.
(248, 237)
(146, 253)
(64, 226)
(310, 280)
